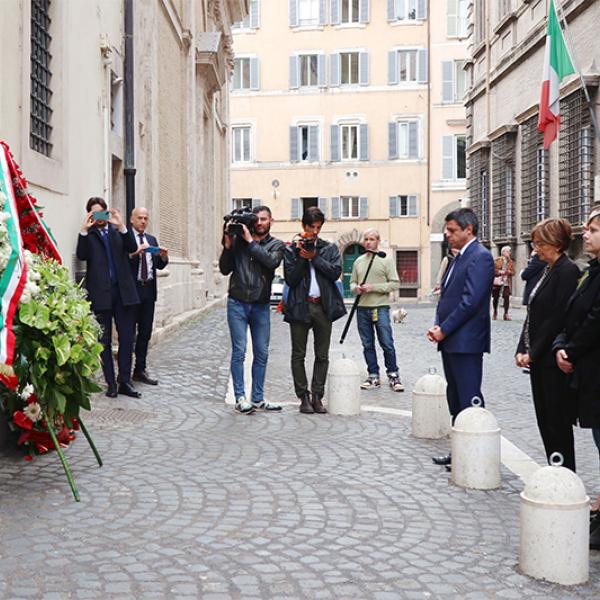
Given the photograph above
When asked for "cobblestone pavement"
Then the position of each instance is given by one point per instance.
(195, 501)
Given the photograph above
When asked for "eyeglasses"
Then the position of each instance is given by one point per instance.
(539, 244)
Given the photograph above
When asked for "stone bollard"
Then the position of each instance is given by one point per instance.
(343, 396)
(555, 528)
(476, 449)
(430, 415)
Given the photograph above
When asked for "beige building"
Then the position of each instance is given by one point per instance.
(513, 181)
(354, 106)
(63, 112)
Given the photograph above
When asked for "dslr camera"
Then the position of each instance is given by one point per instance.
(238, 217)
(306, 241)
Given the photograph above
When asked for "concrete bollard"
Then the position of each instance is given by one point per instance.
(430, 415)
(343, 395)
(555, 528)
(476, 449)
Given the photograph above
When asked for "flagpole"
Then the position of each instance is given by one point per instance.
(561, 15)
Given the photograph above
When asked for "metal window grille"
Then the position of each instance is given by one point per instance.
(503, 205)
(576, 159)
(40, 133)
(478, 184)
(535, 177)
(407, 265)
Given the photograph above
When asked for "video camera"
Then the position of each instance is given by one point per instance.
(306, 241)
(238, 217)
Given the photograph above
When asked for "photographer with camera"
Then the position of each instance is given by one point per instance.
(311, 268)
(251, 255)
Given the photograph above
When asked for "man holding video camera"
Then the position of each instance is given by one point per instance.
(251, 256)
(311, 268)
(144, 262)
(104, 244)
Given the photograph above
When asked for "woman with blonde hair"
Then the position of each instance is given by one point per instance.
(545, 320)
(505, 269)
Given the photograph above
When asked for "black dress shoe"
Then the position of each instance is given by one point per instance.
(442, 460)
(111, 391)
(128, 390)
(317, 403)
(143, 377)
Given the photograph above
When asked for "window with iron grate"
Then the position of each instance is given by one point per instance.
(503, 205)
(40, 131)
(535, 177)
(478, 184)
(576, 159)
(407, 265)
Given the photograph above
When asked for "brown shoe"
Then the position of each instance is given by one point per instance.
(305, 404)
(494, 316)
(507, 318)
(318, 403)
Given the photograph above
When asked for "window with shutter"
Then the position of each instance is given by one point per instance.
(334, 70)
(349, 68)
(335, 143)
(363, 208)
(323, 206)
(364, 141)
(364, 68)
(309, 70)
(237, 203)
(308, 202)
(335, 12)
(350, 11)
(293, 144)
(349, 135)
(295, 209)
(335, 207)
(309, 12)
(240, 144)
(254, 74)
(406, 206)
(394, 206)
(447, 81)
(349, 207)
(407, 66)
(294, 72)
(241, 74)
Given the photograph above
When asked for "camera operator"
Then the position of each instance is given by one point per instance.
(251, 257)
(311, 268)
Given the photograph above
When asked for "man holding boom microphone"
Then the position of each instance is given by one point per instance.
(373, 312)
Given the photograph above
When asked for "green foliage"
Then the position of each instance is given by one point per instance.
(57, 348)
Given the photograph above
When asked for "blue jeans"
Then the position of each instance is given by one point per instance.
(240, 315)
(367, 328)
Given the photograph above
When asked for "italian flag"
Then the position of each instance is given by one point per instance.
(557, 64)
(12, 279)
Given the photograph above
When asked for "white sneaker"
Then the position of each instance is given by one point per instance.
(395, 383)
(243, 406)
(370, 383)
(266, 406)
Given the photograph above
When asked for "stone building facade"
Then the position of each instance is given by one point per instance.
(513, 181)
(62, 111)
(354, 106)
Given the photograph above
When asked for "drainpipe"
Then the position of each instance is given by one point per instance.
(429, 57)
(129, 170)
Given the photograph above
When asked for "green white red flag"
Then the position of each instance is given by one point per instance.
(12, 279)
(557, 65)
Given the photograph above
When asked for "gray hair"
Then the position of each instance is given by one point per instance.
(373, 231)
(504, 248)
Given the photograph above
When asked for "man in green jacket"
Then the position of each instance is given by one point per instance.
(373, 313)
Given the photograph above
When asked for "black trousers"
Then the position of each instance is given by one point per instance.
(321, 327)
(123, 317)
(144, 319)
(554, 418)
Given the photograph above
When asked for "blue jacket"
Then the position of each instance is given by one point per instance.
(463, 312)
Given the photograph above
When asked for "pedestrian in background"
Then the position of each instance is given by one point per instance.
(104, 244)
(311, 268)
(251, 258)
(577, 348)
(504, 271)
(444, 265)
(545, 320)
(144, 263)
(462, 320)
(373, 312)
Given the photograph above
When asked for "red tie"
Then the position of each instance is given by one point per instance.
(144, 264)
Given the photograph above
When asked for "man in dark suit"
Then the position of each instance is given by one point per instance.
(105, 244)
(144, 262)
(462, 322)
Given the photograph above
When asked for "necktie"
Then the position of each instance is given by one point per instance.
(451, 269)
(111, 263)
(143, 264)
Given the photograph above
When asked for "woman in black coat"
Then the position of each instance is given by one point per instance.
(545, 320)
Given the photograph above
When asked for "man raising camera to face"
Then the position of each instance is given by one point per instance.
(311, 268)
(251, 256)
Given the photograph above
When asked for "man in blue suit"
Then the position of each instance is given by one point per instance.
(462, 322)
(144, 262)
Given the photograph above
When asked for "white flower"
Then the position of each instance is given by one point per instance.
(25, 297)
(4, 216)
(27, 391)
(33, 411)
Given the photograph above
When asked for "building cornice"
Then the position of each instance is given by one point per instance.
(480, 145)
(502, 130)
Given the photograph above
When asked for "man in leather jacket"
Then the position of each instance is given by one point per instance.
(251, 258)
(311, 268)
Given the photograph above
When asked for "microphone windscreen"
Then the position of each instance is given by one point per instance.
(381, 254)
